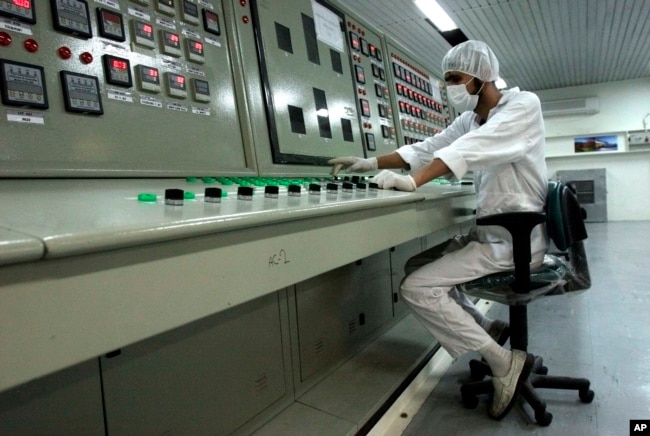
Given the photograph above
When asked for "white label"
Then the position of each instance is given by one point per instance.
(200, 111)
(195, 71)
(206, 4)
(109, 3)
(15, 26)
(212, 41)
(170, 24)
(177, 107)
(328, 28)
(151, 101)
(138, 13)
(27, 117)
(114, 94)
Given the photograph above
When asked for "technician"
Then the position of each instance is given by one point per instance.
(500, 137)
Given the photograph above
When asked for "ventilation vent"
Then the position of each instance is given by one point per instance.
(589, 105)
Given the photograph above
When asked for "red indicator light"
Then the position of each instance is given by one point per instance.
(198, 46)
(65, 52)
(5, 39)
(86, 57)
(147, 28)
(31, 45)
(173, 37)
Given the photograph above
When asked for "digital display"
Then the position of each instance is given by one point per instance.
(117, 71)
(365, 107)
(71, 16)
(165, 6)
(364, 47)
(190, 12)
(149, 78)
(361, 75)
(211, 22)
(23, 10)
(23, 84)
(143, 34)
(176, 85)
(354, 41)
(171, 43)
(81, 93)
(110, 24)
(201, 90)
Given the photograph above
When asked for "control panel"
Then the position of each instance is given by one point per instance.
(420, 102)
(372, 89)
(118, 88)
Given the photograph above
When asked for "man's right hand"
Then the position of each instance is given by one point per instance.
(352, 164)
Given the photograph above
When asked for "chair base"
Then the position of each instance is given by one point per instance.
(537, 379)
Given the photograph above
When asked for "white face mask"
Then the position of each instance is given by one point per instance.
(461, 99)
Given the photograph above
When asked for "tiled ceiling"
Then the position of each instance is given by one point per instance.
(540, 44)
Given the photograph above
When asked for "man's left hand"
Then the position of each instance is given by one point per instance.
(388, 180)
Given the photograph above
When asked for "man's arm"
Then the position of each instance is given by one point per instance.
(391, 160)
(434, 169)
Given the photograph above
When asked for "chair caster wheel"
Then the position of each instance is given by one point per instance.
(586, 396)
(543, 370)
(476, 370)
(543, 418)
(470, 401)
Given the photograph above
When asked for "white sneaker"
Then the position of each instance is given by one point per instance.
(507, 387)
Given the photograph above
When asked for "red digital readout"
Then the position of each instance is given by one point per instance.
(147, 28)
(174, 38)
(118, 64)
(198, 46)
(23, 3)
(152, 72)
(180, 80)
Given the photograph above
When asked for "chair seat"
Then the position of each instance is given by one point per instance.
(496, 287)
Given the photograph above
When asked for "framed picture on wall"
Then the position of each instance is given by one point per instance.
(595, 143)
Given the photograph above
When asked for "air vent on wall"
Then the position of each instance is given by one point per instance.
(576, 106)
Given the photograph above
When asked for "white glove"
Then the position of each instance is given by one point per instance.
(353, 164)
(388, 180)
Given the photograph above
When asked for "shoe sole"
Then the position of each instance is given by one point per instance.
(523, 376)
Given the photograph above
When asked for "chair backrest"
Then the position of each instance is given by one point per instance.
(564, 216)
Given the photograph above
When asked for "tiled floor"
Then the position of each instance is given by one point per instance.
(602, 334)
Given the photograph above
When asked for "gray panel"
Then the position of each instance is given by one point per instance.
(209, 377)
(327, 314)
(419, 98)
(338, 310)
(67, 402)
(292, 78)
(375, 293)
(591, 186)
(140, 132)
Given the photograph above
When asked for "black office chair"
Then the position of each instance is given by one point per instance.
(561, 272)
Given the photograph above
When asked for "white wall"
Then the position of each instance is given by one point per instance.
(623, 106)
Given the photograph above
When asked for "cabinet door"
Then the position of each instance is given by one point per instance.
(209, 377)
(68, 402)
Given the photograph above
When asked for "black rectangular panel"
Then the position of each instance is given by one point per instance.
(283, 35)
(346, 126)
(309, 28)
(297, 120)
(337, 65)
(323, 120)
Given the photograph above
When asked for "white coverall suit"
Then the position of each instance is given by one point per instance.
(506, 154)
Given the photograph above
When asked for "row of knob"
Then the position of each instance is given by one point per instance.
(176, 197)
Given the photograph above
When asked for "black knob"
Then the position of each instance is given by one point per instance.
(213, 195)
(174, 197)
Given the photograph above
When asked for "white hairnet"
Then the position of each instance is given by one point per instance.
(475, 58)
